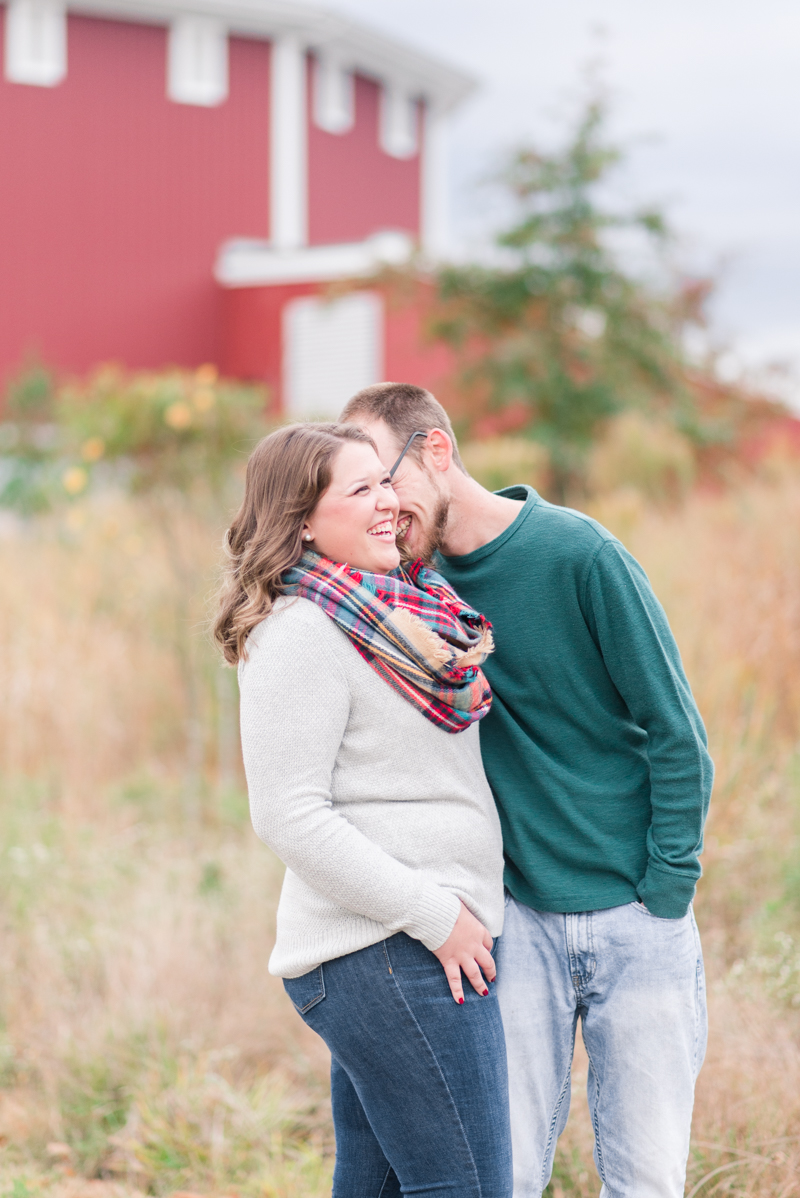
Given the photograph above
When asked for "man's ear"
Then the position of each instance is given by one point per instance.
(440, 449)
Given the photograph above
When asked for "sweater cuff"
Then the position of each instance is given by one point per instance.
(434, 916)
(666, 894)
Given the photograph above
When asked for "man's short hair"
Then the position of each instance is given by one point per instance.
(405, 409)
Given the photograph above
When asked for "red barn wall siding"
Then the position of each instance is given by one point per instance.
(114, 201)
(411, 356)
(356, 189)
(252, 334)
(252, 345)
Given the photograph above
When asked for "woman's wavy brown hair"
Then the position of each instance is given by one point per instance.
(287, 474)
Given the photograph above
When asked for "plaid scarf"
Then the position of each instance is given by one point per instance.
(413, 630)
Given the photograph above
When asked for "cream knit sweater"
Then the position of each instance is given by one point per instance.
(383, 820)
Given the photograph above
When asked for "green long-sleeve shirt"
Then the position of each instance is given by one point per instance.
(594, 747)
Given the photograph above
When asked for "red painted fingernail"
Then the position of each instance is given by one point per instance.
(461, 1002)
(485, 993)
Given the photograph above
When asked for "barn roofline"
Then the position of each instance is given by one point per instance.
(358, 47)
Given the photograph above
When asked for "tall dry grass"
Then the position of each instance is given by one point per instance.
(142, 1042)
(142, 1036)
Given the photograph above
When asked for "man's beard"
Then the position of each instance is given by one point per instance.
(433, 538)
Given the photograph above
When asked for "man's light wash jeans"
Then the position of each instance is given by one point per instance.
(636, 982)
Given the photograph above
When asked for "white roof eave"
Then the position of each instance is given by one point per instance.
(247, 263)
(359, 47)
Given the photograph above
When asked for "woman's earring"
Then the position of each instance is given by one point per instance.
(308, 537)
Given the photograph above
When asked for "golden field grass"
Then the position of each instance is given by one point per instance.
(143, 1044)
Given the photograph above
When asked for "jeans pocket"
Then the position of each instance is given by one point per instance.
(639, 906)
(307, 990)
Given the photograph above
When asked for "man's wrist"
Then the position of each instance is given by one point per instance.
(665, 893)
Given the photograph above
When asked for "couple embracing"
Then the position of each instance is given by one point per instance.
(487, 776)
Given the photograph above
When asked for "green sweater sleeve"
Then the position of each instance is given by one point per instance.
(631, 630)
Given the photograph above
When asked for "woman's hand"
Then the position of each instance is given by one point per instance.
(467, 948)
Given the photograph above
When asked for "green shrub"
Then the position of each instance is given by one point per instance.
(176, 429)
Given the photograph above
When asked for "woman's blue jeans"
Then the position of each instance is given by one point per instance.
(419, 1084)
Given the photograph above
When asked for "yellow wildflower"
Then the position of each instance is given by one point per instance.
(206, 375)
(204, 399)
(93, 449)
(178, 415)
(74, 480)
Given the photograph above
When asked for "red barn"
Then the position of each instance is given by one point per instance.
(179, 183)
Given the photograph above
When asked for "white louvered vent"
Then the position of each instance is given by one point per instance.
(398, 122)
(330, 351)
(36, 42)
(197, 66)
(334, 107)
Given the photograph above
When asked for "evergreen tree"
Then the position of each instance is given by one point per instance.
(561, 334)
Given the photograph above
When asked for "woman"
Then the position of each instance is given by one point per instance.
(360, 701)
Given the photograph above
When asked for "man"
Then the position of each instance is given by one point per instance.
(597, 757)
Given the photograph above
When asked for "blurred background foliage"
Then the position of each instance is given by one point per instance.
(176, 440)
(582, 316)
(182, 431)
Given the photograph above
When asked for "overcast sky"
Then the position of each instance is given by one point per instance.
(707, 93)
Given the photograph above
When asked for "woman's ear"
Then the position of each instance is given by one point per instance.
(307, 534)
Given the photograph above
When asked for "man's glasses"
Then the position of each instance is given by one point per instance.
(406, 448)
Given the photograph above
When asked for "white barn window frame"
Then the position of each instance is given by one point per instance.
(334, 94)
(35, 42)
(399, 121)
(197, 61)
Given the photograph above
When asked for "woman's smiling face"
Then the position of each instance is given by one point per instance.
(355, 520)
